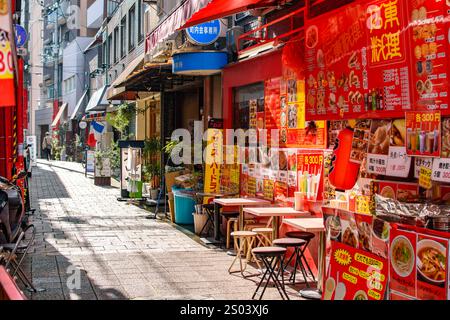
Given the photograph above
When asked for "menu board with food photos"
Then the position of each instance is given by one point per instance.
(428, 40)
(272, 108)
(377, 59)
(419, 262)
(354, 270)
(379, 141)
(445, 136)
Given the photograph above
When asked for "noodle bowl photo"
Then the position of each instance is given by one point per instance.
(431, 261)
(402, 256)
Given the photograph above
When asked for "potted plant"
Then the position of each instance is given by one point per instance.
(151, 173)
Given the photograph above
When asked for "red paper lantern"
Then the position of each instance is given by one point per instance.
(343, 173)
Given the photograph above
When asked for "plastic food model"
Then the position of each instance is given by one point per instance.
(343, 173)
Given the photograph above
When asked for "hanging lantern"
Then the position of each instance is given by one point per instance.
(343, 173)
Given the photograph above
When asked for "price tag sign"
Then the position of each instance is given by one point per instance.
(423, 131)
(441, 170)
(377, 163)
(425, 177)
(398, 163)
(421, 162)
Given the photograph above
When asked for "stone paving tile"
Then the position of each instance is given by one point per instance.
(119, 253)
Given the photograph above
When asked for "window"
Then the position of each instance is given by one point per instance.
(160, 9)
(116, 44)
(140, 20)
(109, 49)
(242, 97)
(131, 28)
(69, 85)
(123, 32)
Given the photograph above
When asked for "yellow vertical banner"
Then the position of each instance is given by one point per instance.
(213, 161)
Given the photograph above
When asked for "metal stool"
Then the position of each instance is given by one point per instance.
(296, 244)
(209, 208)
(271, 256)
(307, 236)
(246, 241)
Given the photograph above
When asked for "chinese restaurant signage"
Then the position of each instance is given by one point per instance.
(205, 33)
(377, 59)
(6, 60)
(214, 156)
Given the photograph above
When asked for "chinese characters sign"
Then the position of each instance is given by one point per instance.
(377, 59)
(6, 61)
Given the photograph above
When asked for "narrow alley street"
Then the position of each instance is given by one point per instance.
(120, 254)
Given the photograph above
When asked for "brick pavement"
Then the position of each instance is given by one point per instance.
(118, 253)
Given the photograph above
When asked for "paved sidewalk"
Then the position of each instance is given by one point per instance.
(118, 253)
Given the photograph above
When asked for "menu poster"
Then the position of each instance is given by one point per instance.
(355, 274)
(280, 191)
(402, 254)
(423, 130)
(252, 107)
(389, 88)
(292, 90)
(309, 173)
(251, 186)
(272, 108)
(431, 267)
(429, 61)
(268, 186)
(329, 191)
(334, 64)
(445, 152)
(360, 141)
(421, 162)
(441, 170)
(407, 192)
(379, 141)
(380, 237)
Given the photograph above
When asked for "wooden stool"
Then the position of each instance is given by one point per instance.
(242, 240)
(307, 236)
(271, 256)
(297, 244)
(231, 217)
(264, 236)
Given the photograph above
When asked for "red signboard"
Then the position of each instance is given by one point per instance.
(377, 59)
(355, 274)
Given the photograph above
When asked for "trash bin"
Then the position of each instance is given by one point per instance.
(184, 206)
(200, 219)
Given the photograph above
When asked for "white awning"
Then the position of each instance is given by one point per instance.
(59, 114)
(78, 109)
(98, 100)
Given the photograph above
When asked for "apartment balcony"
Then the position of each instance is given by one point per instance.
(95, 14)
(271, 34)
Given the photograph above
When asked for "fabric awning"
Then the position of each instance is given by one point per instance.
(116, 92)
(59, 114)
(79, 108)
(173, 22)
(217, 9)
(98, 101)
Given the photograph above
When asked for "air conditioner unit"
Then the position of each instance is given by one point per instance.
(163, 49)
(232, 38)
